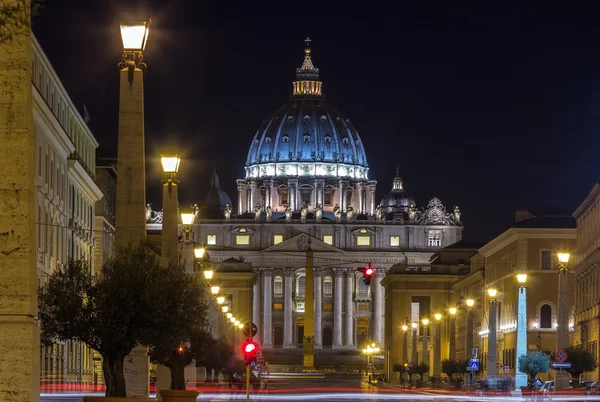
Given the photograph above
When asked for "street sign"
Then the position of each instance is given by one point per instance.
(506, 368)
(474, 352)
(250, 330)
(561, 356)
(474, 364)
(563, 365)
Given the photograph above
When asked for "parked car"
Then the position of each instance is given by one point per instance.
(549, 386)
(594, 388)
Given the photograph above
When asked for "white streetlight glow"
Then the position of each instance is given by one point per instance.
(214, 290)
(170, 164)
(225, 309)
(563, 257)
(452, 310)
(220, 300)
(134, 35)
(187, 218)
(521, 278)
(208, 274)
(470, 302)
(492, 292)
(199, 252)
(438, 316)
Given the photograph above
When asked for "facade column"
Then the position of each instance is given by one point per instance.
(371, 200)
(452, 337)
(360, 188)
(287, 310)
(292, 194)
(253, 194)
(170, 232)
(404, 345)
(318, 308)
(267, 309)
(319, 192)
(413, 358)
(241, 187)
(268, 193)
(437, 353)
(344, 195)
(425, 357)
(349, 310)
(337, 308)
(20, 334)
(469, 343)
(256, 306)
(491, 356)
(377, 308)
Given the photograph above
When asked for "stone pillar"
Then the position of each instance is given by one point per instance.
(287, 310)
(344, 195)
(413, 359)
(425, 357)
(491, 356)
(254, 194)
(349, 310)
(19, 331)
(256, 307)
(292, 194)
(320, 192)
(404, 347)
(437, 353)
(241, 187)
(371, 198)
(377, 308)
(469, 342)
(130, 221)
(561, 377)
(521, 378)
(169, 250)
(360, 188)
(318, 308)
(337, 308)
(268, 193)
(452, 351)
(267, 310)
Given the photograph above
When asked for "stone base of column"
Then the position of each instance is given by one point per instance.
(338, 347)
(561, 380)
(137, 368)
(520, 381)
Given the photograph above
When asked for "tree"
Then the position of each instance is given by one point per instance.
(420, 368)
(112, 312)
(211, 353)
(181, 308)
(533, 363)
(450, 367)
(582, 360)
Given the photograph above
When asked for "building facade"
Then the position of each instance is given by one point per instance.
(306, 185)
(587, 276)
(66, 198)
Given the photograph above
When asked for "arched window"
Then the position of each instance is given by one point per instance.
(278, 286)
(546, 316)
(301, 285)
(363, 288)
(327, 286)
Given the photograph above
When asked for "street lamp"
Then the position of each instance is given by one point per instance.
(425, 323)
(220, 300)
(170, 164)
(187, 218)
(229, 315)
(134, 35)
(414, 327)
(561, 378)
(208, 274)
(214, 290)
(370, 350)
(521, 378)
(437, 346)
(170, 203)
(240, 325)
(199, 252)
(452, 351)
(491, 356)
(405, 342)
(225, 309)
(470, 304)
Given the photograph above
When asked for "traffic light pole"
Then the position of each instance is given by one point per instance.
(248, 383)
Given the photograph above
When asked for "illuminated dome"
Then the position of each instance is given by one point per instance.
(397, 200)
(307, 136)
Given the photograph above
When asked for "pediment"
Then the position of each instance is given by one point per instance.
(299, 243)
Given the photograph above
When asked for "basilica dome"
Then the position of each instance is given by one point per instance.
(397, 200)
(307, 136)
(216, 198)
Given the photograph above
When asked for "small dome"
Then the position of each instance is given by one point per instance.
(216, 198)
(396, 200)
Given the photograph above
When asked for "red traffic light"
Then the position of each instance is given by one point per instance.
(250, 349)
(369, 271)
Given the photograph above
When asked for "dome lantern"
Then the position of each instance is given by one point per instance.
(307, 76)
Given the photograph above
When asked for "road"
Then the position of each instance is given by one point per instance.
(332, 387)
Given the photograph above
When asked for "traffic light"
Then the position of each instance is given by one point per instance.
(368, 273)
(250, 349)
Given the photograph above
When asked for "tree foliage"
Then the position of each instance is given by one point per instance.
(214, 354)
(533, 363)
(124, 306)
(582, 360)
(450, 367)
(398, 368)
(420, 368)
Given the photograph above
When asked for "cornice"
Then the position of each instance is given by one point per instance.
(514, 234)
(588, 202)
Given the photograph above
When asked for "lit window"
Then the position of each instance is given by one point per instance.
(395, 241)
(327, 286)
(242, 240)
(363, 240)
(363, 288)
(328, 239)
(242, 230)
(211, 239)
(301, 285)
(435, 238)
(278, 286)
(363, 231)
(277, 239)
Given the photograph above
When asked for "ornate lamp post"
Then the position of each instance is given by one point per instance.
(170, 203)
(561, 378)
(452, 311)
(470, 304)
(368, 351)
(491, 356)
(521, 378)
(437, 353)
(405, 343)
(414, 327)
(425, 322)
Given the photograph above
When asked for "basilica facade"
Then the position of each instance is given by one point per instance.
(307, 185)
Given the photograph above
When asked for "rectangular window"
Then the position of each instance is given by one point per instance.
(546, 259)
(435, 238)
(329, 197)
(277, 239)
(211, 239)
(327, 288)
(277, 306)
(327, 307)
(283, 197)
(363, 240)
(242, 240)
(394, 241)
(328, 239)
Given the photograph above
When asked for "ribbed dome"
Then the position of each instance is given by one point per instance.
(216, 198)
(307, 136)
(397, 200)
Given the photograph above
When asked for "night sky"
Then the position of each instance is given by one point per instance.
(492, 109)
